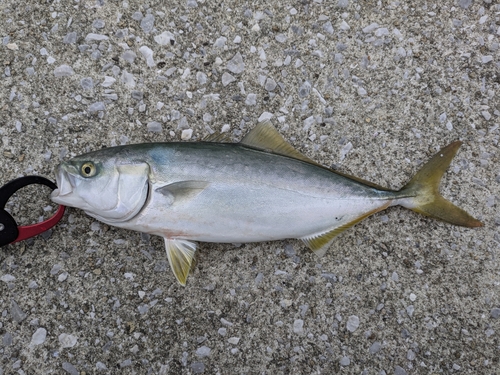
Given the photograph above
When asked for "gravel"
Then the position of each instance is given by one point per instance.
(371, 89)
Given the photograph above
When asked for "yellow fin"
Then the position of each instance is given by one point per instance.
(180, 254)
(217, 137)
(423, 190)
(266, 138)
(320, 243)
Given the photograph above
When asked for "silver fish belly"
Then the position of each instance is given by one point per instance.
(260, 189)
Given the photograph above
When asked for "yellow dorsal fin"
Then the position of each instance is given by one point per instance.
(217, 137)
(180, 254)
(266, 138)
(319, 243)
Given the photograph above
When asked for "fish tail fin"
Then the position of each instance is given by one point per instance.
(422, 192)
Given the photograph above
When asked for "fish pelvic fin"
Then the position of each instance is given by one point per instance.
(180, 254)
(320, 243)
(423, 191)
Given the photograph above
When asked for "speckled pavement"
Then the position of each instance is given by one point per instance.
(371, 88)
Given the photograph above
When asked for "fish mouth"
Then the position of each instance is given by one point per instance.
(65, 185)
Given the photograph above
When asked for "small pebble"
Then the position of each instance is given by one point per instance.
(198, 367)
(344, 26)
(38, 337)
(236, 64)
(70, 38)
(108, 81)
(220, 42)
(270, 84)
(97, 106)
(95, 37)
(251, 99)
(148, 55)
(203, 351)
(375, 347)
(7, 278)
(201, 78)
(222, 331)
(16, 313)
(64, 71)
(67, 341)
(345, 361)
(70, 369)
(186, 134)
(147, 23)
(87, 83)
(486, 59)
(129, 56)
(227, 79)
(495, 312)
(265, 116)
(352, 323)
(98, 24)
(154, 126)
(370, 28)
(298, 326)
(165, 38)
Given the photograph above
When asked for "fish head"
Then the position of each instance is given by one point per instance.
(105, 186)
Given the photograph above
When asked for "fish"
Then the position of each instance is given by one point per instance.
(259, 189)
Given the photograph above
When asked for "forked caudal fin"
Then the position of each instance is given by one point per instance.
(421, 194)
(423, 190)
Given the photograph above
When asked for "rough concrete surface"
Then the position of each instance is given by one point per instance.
(371, 88)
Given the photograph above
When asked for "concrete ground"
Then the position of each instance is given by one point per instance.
(372, 88)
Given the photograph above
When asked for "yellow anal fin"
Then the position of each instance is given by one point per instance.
(320, 243)
(180, 254)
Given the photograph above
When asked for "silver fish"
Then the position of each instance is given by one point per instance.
(260, 189)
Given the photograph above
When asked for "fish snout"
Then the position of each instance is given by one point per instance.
(65, 183)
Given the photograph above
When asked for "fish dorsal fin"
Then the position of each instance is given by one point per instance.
(180, 254)
(217, 137)
(182, 191)
(320, 243)
(265, 137)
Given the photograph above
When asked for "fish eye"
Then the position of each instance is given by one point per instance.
(88, 169)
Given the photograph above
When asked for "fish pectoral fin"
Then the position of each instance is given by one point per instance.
(265, 137)
(180, 254)
(319, 243)
(182, 190)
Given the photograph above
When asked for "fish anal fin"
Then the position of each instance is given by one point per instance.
(182, 190)
(320, 243)
(180, 254)
(266, 138)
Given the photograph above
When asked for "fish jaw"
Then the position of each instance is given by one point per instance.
(66, 185)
